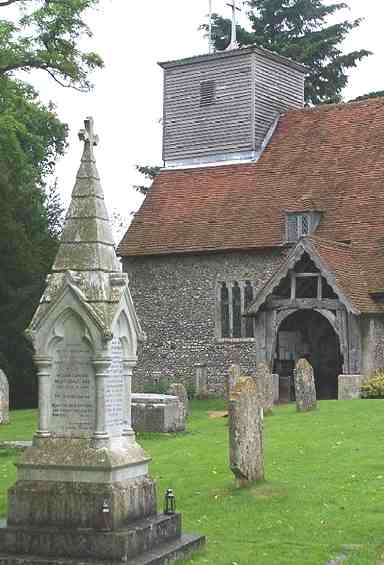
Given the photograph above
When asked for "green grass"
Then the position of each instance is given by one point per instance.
(324, 487)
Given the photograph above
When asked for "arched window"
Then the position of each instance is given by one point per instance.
(248, 299)
(224, 296)
(236, 309)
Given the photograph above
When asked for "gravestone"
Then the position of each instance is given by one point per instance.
(4, 398)
(276, 387)
(246, 432)
(265, 387)
(304, 386)
(83, 490)
(234, 374)
(201, 381)
(179, 390)
(159, 413)
(349, 387)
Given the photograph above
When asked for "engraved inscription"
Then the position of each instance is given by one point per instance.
(114, 391)
(73, 392)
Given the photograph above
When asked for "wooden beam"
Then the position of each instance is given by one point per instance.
(303, 304)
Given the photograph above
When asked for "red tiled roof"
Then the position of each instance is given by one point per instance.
(330, 157)
(355, 271)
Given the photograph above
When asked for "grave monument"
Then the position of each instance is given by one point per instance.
(265, 386)
(83, 491)
(246, 457)
(304, 386)
(4, 398)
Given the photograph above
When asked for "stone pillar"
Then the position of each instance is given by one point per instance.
(44, 364)
(275, 385)
(127, 376)
(100, 435)
(304, 386)
(201, 380)
(265, 387)
(246, 432)
(234, 373)
(179, 390)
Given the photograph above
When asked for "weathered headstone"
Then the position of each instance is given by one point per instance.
(246, 432)
(201, 381)
(276, 386)
(179, 390)
(349, 387)
(234, 374)
(4, 398)
(304, 386)
(265, 387)
(85, 474)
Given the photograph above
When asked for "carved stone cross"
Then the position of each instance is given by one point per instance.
(88, 134)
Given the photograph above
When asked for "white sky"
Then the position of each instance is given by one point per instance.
(126, 103)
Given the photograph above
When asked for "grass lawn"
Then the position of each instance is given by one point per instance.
(324, 493)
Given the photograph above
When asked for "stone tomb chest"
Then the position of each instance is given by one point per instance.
(157, 413)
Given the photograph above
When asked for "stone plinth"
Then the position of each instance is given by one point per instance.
(246, 432)
(161, 413)
(4, 398)
(304, 386)
(349, 387)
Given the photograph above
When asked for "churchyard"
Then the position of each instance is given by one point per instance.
(323, 496)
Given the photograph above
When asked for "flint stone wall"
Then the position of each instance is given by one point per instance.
(349, 387)
(176, 301)
(246, 432)
(4, 398)
(159, 413)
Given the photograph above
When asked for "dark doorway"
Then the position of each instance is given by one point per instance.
(308, 334)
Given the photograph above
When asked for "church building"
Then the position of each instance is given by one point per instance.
(262, 238)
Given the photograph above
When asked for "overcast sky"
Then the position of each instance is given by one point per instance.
(126, 103)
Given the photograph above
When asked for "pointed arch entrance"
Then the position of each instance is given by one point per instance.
(309, 334)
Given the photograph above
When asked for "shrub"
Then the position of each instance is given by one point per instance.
(157, 387)
(373, 387)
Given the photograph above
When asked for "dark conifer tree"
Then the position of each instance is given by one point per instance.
(300, 30)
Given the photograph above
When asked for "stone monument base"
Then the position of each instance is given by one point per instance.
(155, 540)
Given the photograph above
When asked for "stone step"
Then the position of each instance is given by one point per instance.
(164, 554)
(115, 546)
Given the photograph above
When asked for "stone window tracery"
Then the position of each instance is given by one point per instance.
(234, 298)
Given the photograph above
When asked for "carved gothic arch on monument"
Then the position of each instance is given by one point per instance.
(303, 297)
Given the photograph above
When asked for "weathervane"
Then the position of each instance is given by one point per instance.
(88, 134)
(233, 44)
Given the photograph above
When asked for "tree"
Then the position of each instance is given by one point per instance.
(298, 29)
(47, 37)
(376, 94)
(44, 35)
(150, 172)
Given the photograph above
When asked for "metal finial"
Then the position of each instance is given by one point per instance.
(233, 44)
(88, 134)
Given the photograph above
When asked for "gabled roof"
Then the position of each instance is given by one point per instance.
(347, 275)
(329, 158)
